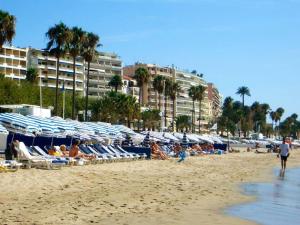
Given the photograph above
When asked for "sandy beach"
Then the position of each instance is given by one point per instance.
(140, 192)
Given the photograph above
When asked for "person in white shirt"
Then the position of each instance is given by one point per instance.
(284, 153)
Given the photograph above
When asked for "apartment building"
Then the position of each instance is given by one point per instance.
(13, 62)
(150, 98)
(215, 101)
(47, 64)
(183, 104)
(101, 71)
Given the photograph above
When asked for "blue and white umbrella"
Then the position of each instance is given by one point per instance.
(146, 141)
(184, 141)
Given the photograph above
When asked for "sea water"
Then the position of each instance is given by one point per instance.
(278, 203)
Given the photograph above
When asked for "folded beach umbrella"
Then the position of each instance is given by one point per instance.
(117, 142)
(146, 141)
(127, 141)
(184, 142)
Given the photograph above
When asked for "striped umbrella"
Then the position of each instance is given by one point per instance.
(117, 142)
(146, 141)
(127, 141)
(184, 142)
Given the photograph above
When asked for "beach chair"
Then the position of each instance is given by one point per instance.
(87, 151)
(134, 155)
(105, 157)
(101, 150)
(121, 154)
(41, 152)
(36, 161)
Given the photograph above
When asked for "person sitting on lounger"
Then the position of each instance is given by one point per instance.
(64, 150)
(54, 152)
(11, 152)
(156, 152)
(75, 152)
(177, 148)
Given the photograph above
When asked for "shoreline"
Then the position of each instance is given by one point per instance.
(140, 192)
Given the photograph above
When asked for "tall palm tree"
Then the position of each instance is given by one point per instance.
(116, 82)
(142, 77)
(200, 97)
(279, 112)
(158, 85)
(273, 115)
(167, 89)
(7, 28)
(193, 93)
(75, 49)
(242, 91)
(174, 90)
(59, 36)
(90, 44)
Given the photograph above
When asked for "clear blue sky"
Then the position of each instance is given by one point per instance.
(255, 43)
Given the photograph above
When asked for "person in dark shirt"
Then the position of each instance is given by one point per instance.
(11, 152)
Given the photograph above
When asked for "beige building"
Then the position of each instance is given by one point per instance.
(101, 71)
(184, 104)
(13, 62)
(47, 70)
(215, 101)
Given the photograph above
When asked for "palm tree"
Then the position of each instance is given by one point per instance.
(7, 28)
(116, 82)
(142, 77)
(242, 91)
(273, 116)
(90, 44)
(75, 49)
(193, 93)
(279, 112)
(167, 89)
(174, 90)
(32, 75)
(59, 36)
(183, 121)
(158, 85)
(200, 97)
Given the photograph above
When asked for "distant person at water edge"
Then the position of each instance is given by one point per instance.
(11, 152)
(284, 152)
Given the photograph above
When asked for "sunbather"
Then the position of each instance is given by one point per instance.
(64, 150)
(157, 152)
(52, 151)
(75, 152)
(177, 148)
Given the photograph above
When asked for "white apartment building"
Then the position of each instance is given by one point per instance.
(101, 71)
(47, 70)
(13, 62)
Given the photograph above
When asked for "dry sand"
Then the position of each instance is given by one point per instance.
(140, 192)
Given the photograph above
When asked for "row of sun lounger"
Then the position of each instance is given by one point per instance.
(35, 156)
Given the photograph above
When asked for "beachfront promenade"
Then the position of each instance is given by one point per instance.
(138, 192)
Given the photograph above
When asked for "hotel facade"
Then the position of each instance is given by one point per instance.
(183, 103)
(14, 63)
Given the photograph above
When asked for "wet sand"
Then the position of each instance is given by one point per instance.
(140, 192)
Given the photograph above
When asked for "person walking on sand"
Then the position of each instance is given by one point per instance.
(284, 152)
